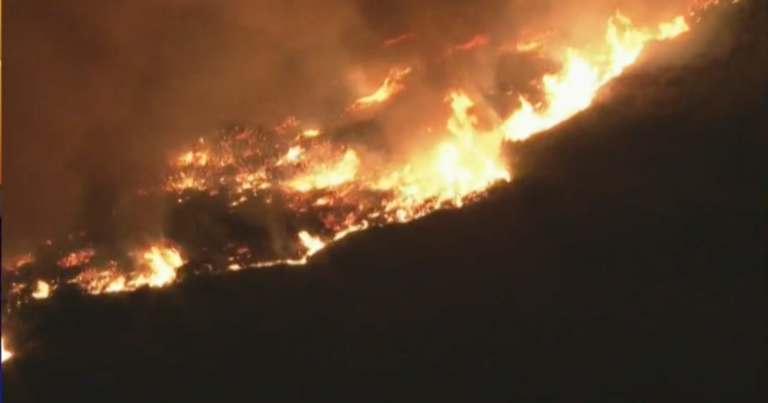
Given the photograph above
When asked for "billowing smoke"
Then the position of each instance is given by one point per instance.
(99, 93)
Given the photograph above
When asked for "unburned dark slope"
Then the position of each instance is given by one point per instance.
(626, 260)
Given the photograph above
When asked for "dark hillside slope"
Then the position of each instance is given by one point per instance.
(626, 260)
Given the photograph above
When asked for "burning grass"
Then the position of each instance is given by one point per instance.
(250, 197)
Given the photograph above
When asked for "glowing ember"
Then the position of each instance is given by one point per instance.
(78, 258)
(21, 261)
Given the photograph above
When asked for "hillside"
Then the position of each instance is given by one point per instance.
(625, 259)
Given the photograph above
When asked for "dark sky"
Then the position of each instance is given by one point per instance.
(102, 91)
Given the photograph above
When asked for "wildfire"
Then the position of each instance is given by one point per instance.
(341, 187)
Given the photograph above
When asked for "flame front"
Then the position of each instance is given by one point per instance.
(341, 186)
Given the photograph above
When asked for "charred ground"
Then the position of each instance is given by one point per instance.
(626, 259)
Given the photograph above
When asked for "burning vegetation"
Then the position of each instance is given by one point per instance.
(251, 197)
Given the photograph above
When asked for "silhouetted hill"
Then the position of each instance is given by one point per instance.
(625, 260)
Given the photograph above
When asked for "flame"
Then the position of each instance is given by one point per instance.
(476, 42)
(530, 42)
(530, 45)
(77, 258)
(330, 175)
(575, 86)
(392, 84)
(312, 243)
(42, 290)
(341, 186)
(154, 266)
(5, 353)
(311, 133)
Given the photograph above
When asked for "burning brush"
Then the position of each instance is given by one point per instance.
(254, 197)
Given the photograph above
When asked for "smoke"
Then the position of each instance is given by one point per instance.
(99, 93)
